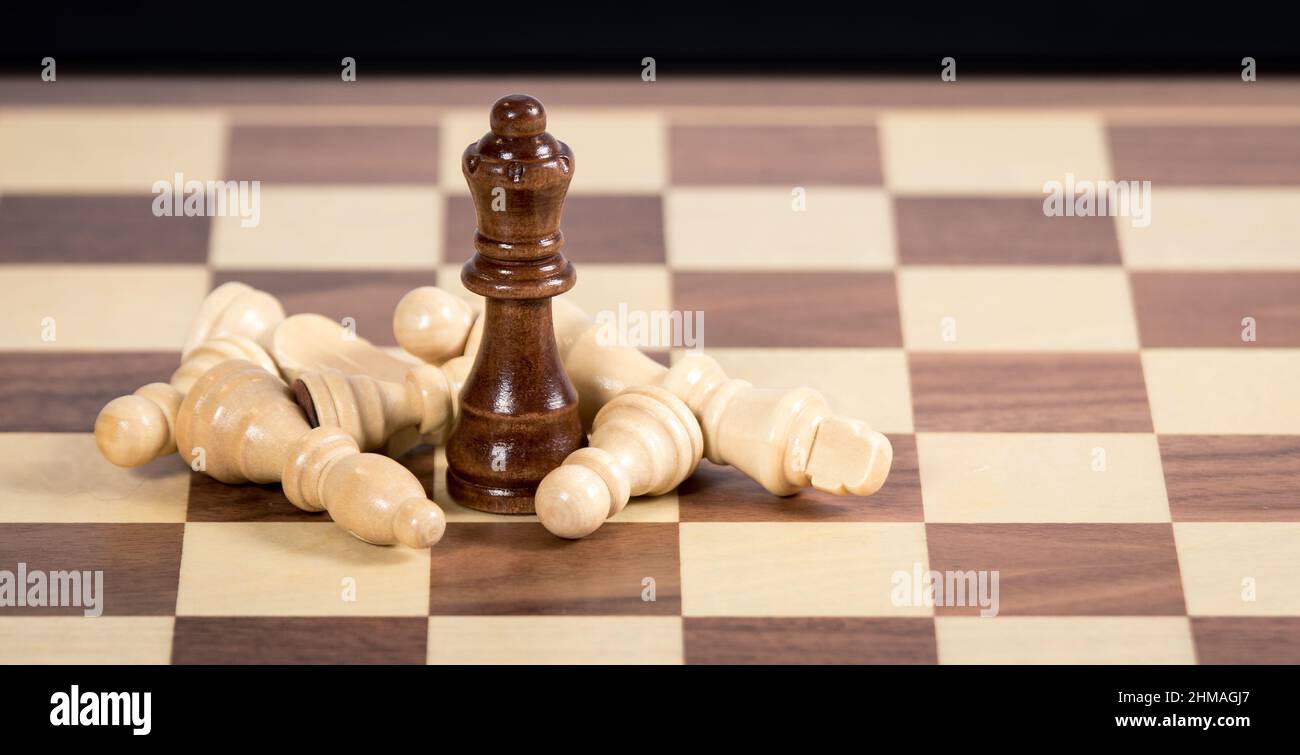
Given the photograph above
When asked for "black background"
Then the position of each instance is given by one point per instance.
(670, 709)
(597, 36)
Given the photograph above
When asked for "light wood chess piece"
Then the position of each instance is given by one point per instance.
(234, 309)
(432, 324)
(233, 322)
(242, 422)
(786, 440)
(315, 345)
(643, 442)
(373, 411)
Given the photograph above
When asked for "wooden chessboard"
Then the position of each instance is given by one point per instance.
(1070, 399)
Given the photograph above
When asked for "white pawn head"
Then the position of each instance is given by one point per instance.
(133, 430)
(432, 324)
(572, 501)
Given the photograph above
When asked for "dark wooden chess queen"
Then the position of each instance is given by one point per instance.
(519, 412)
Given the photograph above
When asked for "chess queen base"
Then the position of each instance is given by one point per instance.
(494, 500)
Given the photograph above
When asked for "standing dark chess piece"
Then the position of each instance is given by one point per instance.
(518, 410)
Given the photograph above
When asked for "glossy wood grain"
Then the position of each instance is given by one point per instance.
(299, 640)
(775, 309)
(1232, 478)
(763, 640)
(518, 568)
(1206, 309)
(998, 231)
(1029, 393)
(104, 229)
(519, 412)
(1255, 155)
(1064, 569)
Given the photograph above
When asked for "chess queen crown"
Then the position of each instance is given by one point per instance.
(518, 175)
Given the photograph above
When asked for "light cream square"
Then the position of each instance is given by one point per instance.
(61, 477)
(636, 640)
(1074, 640)
(987, 152)
(335, 227)
(1016, 309)
(297, 569)
(1239, 568)
(1224, 391)
(645, 288)
(108, 150)
(99, 307)
(799, 569)
(1041, 477)
(1216, 229)
(86, 640)
(746, 228)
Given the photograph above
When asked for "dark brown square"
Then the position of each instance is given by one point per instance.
(212, 501)
(777, 155)
(97, 229)
(520, 568)
(1029, 393)
(1064, 569)
(1207, 309)
(1232, 478)
(724, 494)
(1207, 155)
(1272, 641)
(369, 298)
(63, 391)
(792, 309)
(829, 640)
(605, 230)
(323, 154)
(141, 563)
(998, 231)
(295, 640)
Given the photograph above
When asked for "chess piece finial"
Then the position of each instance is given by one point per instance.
(519, 415)
(372, 411)
(432, 324)
(244, 422)
(136, 429)
(644, 442)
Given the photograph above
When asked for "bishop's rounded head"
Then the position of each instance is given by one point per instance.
(518, 115)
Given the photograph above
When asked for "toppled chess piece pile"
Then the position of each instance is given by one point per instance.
(538, 414)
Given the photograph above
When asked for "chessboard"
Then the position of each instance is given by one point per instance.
(1102, 412)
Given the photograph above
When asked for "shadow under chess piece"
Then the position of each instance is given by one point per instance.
(243, 423)
(518, 410)
(644, 442)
